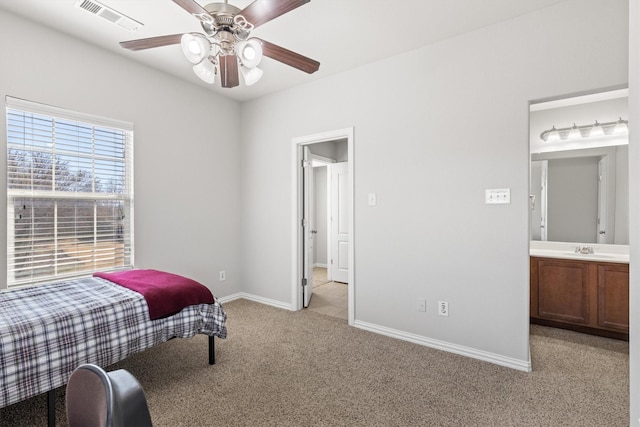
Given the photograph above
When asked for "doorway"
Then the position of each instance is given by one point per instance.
(330, 148)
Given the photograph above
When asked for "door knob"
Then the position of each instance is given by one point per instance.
(314, 231)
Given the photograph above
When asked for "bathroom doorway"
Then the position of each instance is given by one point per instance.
(579, 213)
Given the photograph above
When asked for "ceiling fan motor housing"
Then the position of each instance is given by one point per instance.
(223, 15)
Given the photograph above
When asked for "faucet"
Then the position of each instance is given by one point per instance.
(584, 249)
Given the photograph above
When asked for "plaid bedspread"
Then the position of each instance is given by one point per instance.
(47, 331)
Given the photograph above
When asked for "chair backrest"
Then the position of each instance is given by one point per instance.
(96, 398)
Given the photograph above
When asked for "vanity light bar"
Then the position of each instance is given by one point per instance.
(595, 130)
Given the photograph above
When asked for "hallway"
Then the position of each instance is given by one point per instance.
(329, 298)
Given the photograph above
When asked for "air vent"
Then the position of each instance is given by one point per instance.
(109, 14)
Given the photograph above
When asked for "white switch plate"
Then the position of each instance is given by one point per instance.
(372, 199)
(501, 196)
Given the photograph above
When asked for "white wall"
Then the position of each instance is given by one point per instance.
(434, 128)
(186, 155)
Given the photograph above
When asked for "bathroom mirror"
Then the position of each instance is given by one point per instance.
(579, 179)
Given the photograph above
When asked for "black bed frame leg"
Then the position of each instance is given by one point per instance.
(212, 353)
(51, 408)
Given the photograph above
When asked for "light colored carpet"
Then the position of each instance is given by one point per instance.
(282, 368)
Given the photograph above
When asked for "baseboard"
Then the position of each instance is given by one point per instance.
(473, 353)
(320, 265)
(255, 298)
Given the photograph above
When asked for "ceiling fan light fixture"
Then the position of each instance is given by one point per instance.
(249, 52)
(226, 48)
(195, 47)
(251, 75)
(206, 71)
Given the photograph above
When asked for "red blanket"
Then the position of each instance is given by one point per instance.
(165, 293)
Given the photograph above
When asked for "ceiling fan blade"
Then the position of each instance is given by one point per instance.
(228, 65)
(150, 42)
(288, 57)
(261, 11)
(192, 7)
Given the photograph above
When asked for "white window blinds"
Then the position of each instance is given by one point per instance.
(69, 193)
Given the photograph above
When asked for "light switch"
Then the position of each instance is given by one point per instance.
(372, 199)
(500, 196)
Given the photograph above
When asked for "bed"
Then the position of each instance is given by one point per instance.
(46, 331)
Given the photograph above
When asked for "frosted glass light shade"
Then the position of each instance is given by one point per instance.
(249, 52)
(195, 47)
(206, 71)
(621, 128)
(553, 136)
(251, 75)
(596, 131)
(574, 133)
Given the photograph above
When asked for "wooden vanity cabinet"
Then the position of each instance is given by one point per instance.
(586, 296)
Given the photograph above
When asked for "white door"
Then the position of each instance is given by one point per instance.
(543, 200)
(307, 244)
(340, 198)
(602, 201)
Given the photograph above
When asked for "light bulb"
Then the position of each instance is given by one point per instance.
(195, 47)
(249, 52)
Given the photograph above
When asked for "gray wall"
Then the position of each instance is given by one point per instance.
(186, 177)
(453, 123)
(572, 203)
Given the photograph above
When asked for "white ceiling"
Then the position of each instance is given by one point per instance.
(341, 34)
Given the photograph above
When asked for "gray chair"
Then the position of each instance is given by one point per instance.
(96, 398)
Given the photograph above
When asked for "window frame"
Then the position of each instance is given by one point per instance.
(126, 197)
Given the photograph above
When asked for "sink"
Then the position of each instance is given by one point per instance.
(566, 250)
(594, 255)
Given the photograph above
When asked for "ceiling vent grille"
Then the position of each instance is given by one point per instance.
(109, 14)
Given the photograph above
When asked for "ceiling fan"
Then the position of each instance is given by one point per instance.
(226, 48)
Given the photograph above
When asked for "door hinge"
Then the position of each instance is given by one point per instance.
(304, 282)
(306, 163)
(303, 223)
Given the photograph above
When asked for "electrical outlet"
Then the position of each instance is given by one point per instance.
(223, 276)
(422, 304)
(443, 308)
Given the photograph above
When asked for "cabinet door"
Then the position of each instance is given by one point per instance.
(563, 291)
(613, 297)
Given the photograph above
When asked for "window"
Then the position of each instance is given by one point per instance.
(69, 193)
